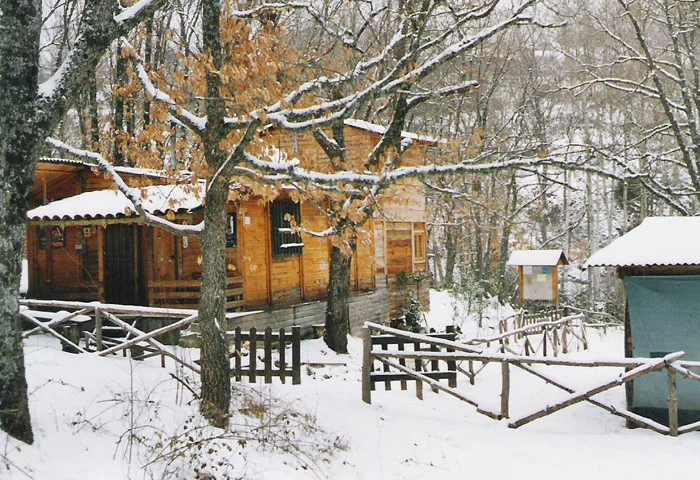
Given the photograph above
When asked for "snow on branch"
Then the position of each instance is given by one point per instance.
(96, 34)
(183, 116)
(133, 194)
(134, 11)
(347, 37)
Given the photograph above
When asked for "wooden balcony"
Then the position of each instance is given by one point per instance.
(185, 293)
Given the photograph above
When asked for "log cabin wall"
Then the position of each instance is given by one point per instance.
(386, 245)
(401, 238)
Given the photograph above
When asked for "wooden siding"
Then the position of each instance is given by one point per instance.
(386, 246)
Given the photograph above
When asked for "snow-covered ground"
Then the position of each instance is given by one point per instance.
(113, 418)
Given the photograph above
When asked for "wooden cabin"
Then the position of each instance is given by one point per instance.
(538, 274)
(86, 242)
(659, 265)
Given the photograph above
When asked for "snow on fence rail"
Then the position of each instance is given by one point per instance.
(99, 327)
(555, 333)
(451, 352)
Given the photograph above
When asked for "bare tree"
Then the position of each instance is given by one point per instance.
(30, 112)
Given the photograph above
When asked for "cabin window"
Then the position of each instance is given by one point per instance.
(419, 246)
(284, 241)
(231, 231)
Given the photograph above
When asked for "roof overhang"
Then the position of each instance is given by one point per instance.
(657, 241)
(537, 258)
(112, 206)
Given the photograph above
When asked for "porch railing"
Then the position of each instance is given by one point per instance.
(185, 293)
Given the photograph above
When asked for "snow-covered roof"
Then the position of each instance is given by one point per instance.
(104, 204)
(657, 241)
(144, 172)
(537, 258)
(381, 130)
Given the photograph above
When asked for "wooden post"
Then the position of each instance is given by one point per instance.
(296, 355)
(237, 344)
(451, 364)
(521, 282)
(472, 377)
(544, 342)
(417, 367)
(283, 363)
(564, 340)
(672, 403)
(402, 362)
(252, 361)
(505, 389)
(366, 365)
(268, 355)
(98, 329)
(387, 383)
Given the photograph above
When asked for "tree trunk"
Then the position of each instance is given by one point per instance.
(19, 60)
(450, 256)
(216, 377)
(338, 309)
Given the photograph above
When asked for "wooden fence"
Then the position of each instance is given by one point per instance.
(547, 334)
(106, 329)
(281, 368)
(430, 370)
(451, 352)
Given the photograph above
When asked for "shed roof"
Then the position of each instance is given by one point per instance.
(537, 258)
(105, 204)
(660, 241)
(144, 172)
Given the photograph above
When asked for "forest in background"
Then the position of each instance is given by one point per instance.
(604, 93)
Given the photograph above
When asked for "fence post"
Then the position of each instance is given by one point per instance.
(418, 366)
(404, 386)
(296, 355)
(366, 365)
(283, 363)
(672, 403)
(237, 345)
(544, 341)
(98, 330)
(451, 364)
(268, 355)
(505, 388)
(252, 363)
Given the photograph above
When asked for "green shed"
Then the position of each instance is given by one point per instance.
(659, 264)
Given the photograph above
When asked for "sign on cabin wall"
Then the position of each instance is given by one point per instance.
(57, 237)
(537, 283)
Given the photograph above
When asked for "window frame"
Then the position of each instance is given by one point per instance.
(232, 233)
(280, 229)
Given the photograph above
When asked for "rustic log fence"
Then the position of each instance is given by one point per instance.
(547, 333)
(451, 352)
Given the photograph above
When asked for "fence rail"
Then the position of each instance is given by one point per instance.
(546, 333)
(105, 329)
(449, 351)
(186, 293)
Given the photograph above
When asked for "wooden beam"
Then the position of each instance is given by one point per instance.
(655, 365)
(672, 403)
(154, 333)
(50, 331)
(366, 365)
(437, 386)
(134, 331)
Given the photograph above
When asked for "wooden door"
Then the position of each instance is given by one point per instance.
(120, 261)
